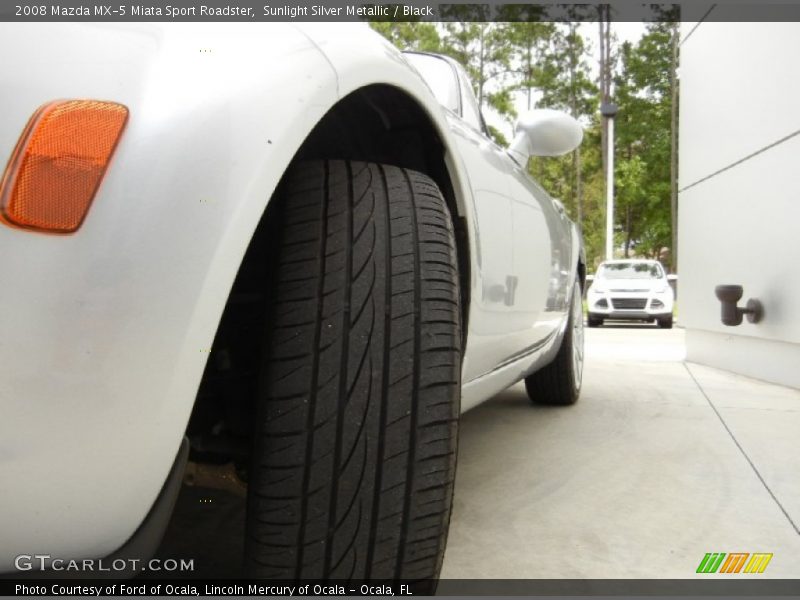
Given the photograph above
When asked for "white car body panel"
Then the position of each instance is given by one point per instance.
(105, 333)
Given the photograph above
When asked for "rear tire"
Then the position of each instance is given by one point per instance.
(559, 383)
(355, 435)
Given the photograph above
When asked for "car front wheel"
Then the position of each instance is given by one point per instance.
(355, 435)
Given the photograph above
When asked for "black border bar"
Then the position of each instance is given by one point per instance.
(254, 11)
(713, 586)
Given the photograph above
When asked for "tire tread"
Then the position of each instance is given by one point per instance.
(355, 451)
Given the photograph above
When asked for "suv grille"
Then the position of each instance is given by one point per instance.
(629, 303)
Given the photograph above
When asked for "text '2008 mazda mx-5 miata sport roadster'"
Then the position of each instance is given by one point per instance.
(288, 247)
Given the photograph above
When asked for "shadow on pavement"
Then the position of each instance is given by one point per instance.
(207, 525)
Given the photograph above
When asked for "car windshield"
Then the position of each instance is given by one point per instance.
(439, 76)
(629, 271)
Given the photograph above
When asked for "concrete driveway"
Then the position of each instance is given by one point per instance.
(658, 463)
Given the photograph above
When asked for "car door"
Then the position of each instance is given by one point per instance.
(543, 258)
(533, 287)
(492, 321)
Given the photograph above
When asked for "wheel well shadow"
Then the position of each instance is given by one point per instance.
(379, 124)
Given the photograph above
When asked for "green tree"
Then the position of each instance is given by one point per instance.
(644, 92)
(483, 49)
(566, 84)
(593, 194)
(409, 35)
(631, 191)
(529, 42)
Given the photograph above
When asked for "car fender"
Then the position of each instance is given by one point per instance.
(106, 331)
(361, 58)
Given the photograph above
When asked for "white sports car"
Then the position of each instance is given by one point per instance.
(292, 246)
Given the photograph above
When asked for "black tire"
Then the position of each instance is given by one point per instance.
(665, 322)
(559, 383)
(594, 321)
(352, 476)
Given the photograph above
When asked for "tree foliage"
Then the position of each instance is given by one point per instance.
(423, 37)
(643, 138)
(528, 62)
(483, 51)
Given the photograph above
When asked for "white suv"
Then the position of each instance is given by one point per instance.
(631, 290)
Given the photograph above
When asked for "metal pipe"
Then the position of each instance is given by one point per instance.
(610, 192)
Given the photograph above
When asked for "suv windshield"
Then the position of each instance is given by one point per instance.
(630, 271)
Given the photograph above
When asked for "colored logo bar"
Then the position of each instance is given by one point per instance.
(733, 562)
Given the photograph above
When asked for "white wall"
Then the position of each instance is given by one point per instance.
(739, 205)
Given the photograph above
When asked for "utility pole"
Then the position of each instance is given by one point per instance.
(609, 111)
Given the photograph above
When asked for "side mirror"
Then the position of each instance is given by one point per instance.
(672, 277)
(545, 132)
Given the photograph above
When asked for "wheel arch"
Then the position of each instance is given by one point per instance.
(384, 124)
(378, 123)
(579, 251)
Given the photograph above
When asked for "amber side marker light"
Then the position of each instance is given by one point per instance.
(59, 161)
